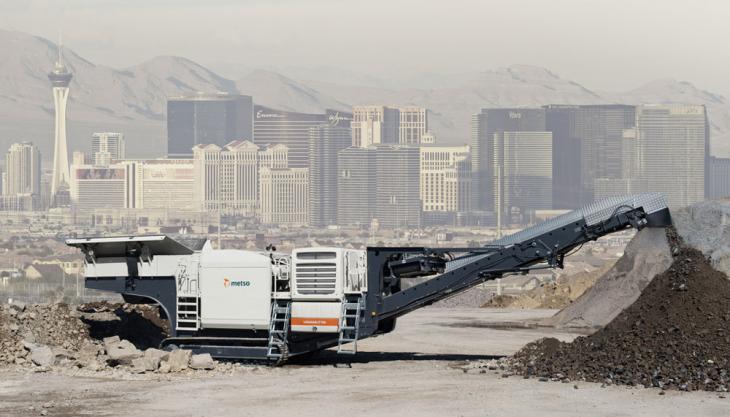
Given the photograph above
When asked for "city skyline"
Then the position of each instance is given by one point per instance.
(611, 145)
(237, 157)
(134, 97)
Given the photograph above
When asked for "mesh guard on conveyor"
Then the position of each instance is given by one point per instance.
(592, 214)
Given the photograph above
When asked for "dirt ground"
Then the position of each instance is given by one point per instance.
(414, 371)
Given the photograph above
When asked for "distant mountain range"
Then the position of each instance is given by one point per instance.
(132, 100)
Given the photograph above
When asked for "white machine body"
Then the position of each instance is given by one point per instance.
(234, 289)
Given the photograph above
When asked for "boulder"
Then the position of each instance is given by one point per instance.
(160, 355)
(17, 307)
(89, 350)
(122, 353)
(164, 367)
(202, 361)
(145, 364)
(110, 341)
(179, 360)
(42, 356)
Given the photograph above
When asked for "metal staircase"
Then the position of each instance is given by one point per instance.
(349, 325)
(188, 296)
(278, 330)
(188, 317)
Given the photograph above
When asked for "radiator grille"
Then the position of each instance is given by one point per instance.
(316, 278)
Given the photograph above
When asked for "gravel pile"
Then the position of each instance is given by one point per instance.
(675, 336)
(647, 255)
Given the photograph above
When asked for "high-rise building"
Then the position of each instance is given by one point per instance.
(94, 187)
(673, 147)
(133, 184)
(60, 79)
(523, 174)
(356, 184)
(445, 178)
(630, 180)
(325, 142)
(379, 183)
(107, 147)
(719, 178)
(588, 145)
(376, 125)
(207, 119)
(397, 191)
(484, 125)
(226, 178)
(373, 125)
(283, 195)
(273, 156)
(79, 158)
(21, 181)
(23, 170)
(413, 124)
(163, 184)
(428, 138)
(276, 127)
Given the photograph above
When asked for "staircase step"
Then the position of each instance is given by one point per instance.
(349, 327)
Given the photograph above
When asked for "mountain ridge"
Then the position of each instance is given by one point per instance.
(132, 99)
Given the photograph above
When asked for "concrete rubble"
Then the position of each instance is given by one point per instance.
(58, 336)
(202, 361)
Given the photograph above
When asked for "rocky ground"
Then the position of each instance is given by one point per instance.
(674, 336)
(418, 370)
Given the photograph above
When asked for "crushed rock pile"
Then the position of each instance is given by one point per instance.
(647, 255)
(47, 336)
(675, 336)
(558, 294)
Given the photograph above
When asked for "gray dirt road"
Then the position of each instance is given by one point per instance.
(411, 372)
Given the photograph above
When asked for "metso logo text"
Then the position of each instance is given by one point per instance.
(228, 283)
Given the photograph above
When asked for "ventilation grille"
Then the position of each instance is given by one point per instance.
(316, 278)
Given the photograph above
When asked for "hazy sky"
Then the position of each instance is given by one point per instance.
(609, 45)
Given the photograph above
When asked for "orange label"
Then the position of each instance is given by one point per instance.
(306, 321)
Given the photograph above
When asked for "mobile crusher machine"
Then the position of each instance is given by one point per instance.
(271, 306)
